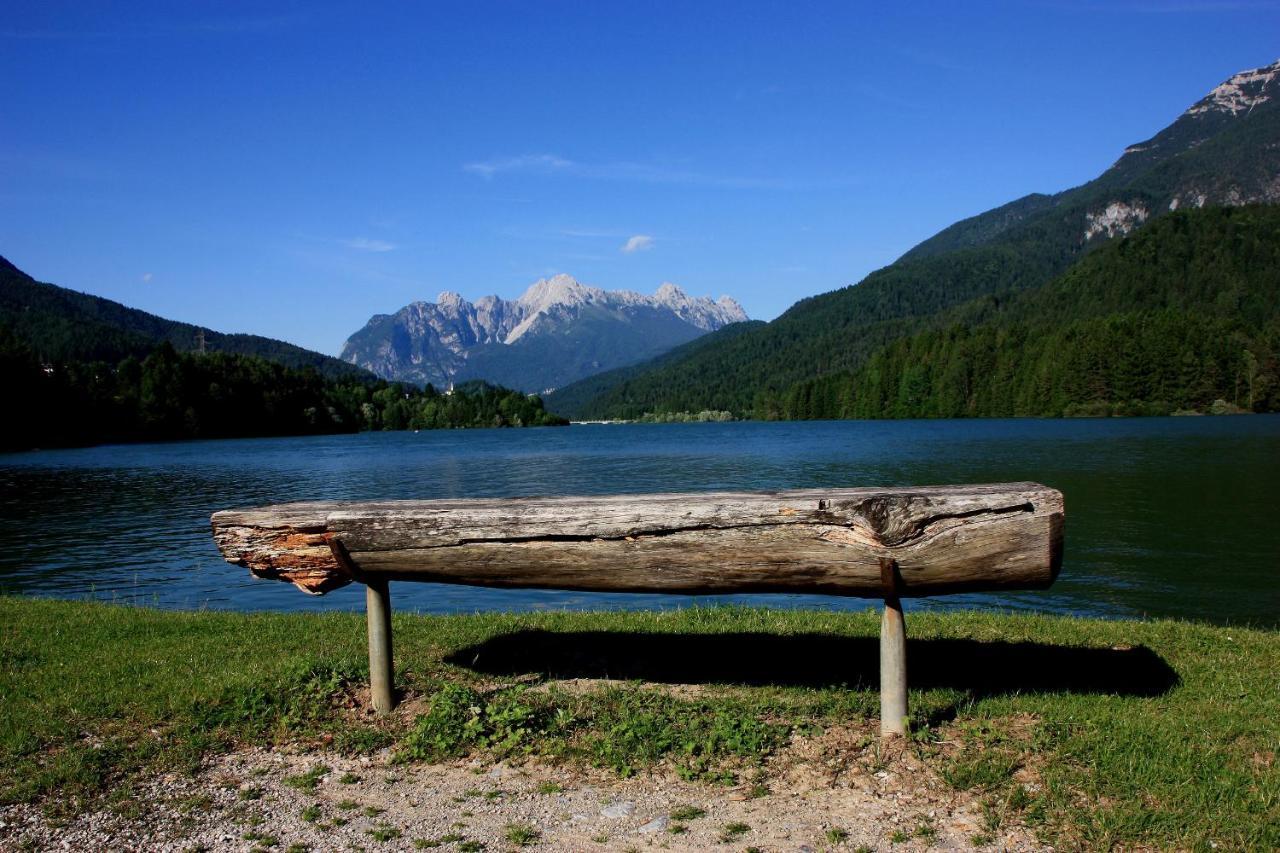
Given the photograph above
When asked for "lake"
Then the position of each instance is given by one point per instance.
(1165, 516)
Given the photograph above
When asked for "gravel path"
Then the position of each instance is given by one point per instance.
(279, 801)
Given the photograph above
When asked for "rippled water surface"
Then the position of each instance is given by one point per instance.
(1165, 517)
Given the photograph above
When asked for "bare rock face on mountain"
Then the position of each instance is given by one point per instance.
(558, 331)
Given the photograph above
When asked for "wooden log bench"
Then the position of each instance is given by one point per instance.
(885, 543)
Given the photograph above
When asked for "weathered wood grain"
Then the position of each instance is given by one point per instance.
(943, 539)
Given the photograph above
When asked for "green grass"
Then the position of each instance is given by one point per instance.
(92, 696)
(521, 834)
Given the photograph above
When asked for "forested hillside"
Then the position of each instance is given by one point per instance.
(576, 396)
(1182, 316)
(1220, 151)
(171, 395)
(59, 325)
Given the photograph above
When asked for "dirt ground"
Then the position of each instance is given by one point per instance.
(810, 797)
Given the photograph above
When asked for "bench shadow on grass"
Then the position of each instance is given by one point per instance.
(980, 669)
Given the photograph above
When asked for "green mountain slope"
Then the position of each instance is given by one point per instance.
(1182, 316)
(1221, 151)
(60, 325)
(573, 398)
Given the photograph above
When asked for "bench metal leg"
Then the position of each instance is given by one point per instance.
(893, 670)
(377, 595)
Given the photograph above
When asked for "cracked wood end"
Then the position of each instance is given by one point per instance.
(943, 539)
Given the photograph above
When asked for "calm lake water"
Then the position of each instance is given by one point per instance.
(1165, 517)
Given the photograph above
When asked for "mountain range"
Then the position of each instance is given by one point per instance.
(1224, 150)
(556, 332)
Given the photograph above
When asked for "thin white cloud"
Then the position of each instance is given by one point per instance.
(592, 233)
(366, 244)
(646, 173)
(523, 163)
(146, 278)
(638, 243)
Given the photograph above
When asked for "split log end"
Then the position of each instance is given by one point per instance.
(301, 557)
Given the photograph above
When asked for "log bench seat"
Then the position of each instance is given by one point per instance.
(886, 543)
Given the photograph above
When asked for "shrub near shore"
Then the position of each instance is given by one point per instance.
(1091, 733)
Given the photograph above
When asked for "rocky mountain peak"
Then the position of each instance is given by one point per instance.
(668, 293)
(732, 308)
(560, 289)
(1241, 92)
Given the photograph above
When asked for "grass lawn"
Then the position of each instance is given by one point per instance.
(1093, 733)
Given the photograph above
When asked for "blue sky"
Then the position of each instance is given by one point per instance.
(290, 169)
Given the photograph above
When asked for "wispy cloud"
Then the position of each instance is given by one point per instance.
(621, 170)
(367, 244)
(146, 278)
(522, 163)
(637, 243)
(592, 233)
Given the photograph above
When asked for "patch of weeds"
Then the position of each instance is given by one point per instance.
(926, 831)
(899, 837)
(309, 781)
(426, 843)
(253, 793)
(837, 835)
(301, 696)
(298, 847)
(677, 828)
(349, 778)
(261, 839)
(732, 831)
(1019, 798)
(863, 848)
(549, 788)
(460, 719)
(493, 795)
(686, 813)
(195, 803)
(635, 728)
(521, 834)
(361, 740)
(372, 811)
(348, 805)
(470, 846)
(991, 817)
(384, 832)
(988, 769)
(339, 821)
(602, 838)
(452, 838)
(311, 813)
(981, 839)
